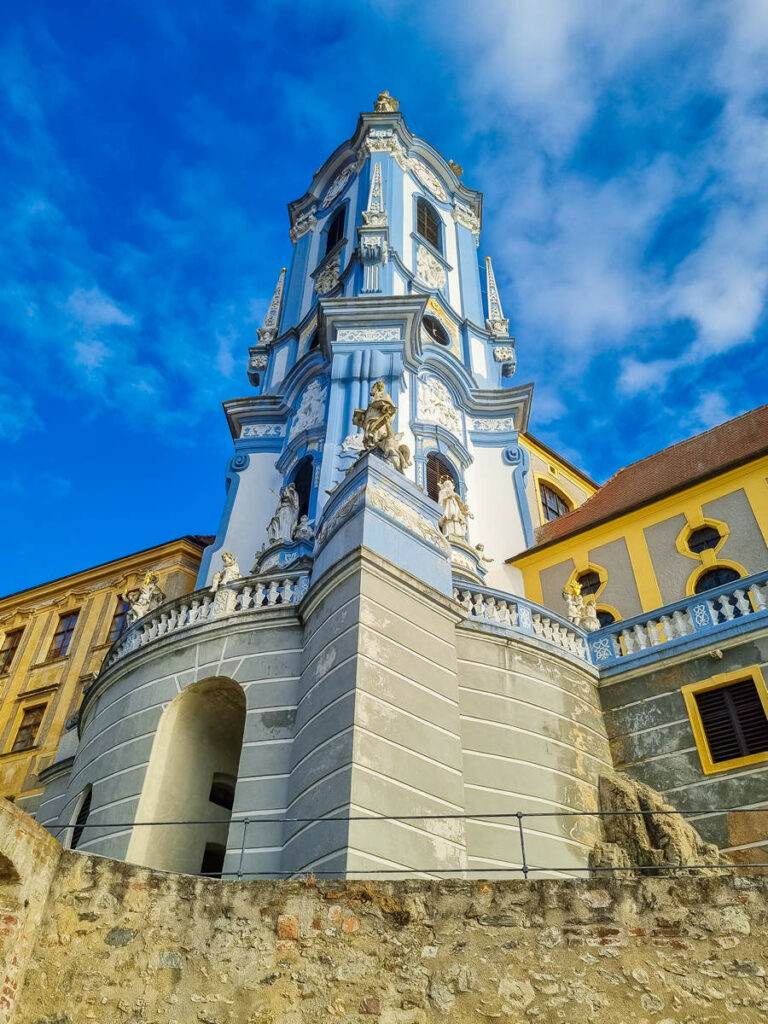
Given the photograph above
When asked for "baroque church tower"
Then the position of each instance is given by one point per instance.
(358, 685)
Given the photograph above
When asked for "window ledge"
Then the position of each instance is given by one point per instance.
(49, 661)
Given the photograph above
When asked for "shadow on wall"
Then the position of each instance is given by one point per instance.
(191, 777)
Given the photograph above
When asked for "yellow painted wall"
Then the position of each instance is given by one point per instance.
(548, 468)
(32, 679)
(751, 478)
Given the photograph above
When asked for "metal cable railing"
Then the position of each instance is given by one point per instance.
(524, 868)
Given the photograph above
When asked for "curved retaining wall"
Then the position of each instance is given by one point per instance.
(375, 696)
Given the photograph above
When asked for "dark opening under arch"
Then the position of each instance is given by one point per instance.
(302, 481)
(437, 467)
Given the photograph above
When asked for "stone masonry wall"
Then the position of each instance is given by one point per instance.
(118, 943)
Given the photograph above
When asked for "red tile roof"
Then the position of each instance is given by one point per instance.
(672, 469)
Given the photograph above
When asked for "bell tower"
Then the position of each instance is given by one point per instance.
(384, 284)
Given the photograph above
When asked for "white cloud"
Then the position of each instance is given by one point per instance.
(93, 309)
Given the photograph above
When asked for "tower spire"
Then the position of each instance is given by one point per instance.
(496, 322)
(268, 330)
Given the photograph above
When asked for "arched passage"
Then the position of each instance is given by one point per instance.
(191, 777)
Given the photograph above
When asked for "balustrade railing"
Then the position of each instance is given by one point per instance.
(517, 613)
(249, 594)
(700, 614)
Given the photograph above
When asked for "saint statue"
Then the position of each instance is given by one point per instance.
(453, 522)
(145, 599)
(285, 517)
(581, 611)
(378, 435)
(229, 572)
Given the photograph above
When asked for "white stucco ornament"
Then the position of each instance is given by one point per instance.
(494, 426)
(428, 269)
(337, 186)
(311, 411)
(262, 430)
(435, 405)
(303, 529)
(429, 180)
(328, 278)
(229, 572)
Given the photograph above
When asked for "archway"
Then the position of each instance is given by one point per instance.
(191, 777)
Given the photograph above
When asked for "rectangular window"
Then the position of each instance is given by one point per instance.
(729, 715)
(118, 621)
(9, 648)
(29, 727)
(63, 635)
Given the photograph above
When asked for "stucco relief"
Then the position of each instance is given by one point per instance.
(306, 222)
(337, 186)
(328, 278)
(429, 269)
(489, 426)
(311, 411)
(262, 430)
(368, 334)
(503, 353)
(429, 180)
(435, 405)
(409, 517)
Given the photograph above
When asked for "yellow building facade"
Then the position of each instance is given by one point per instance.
(53, 639)
(675, 524)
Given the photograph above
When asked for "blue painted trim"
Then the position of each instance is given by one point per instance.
(515, 455)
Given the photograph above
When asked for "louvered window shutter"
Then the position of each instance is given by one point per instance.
(734, 721)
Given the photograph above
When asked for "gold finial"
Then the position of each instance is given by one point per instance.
(457, 169)
(386, 104)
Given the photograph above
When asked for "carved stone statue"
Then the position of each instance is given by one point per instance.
(285, 517)
(229, 572)
(303, 529)
(376, 422)
(581, 611)
(145, 599)
(386, 104)
(453, 522)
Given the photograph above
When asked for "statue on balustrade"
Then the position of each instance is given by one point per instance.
(285, 517)
(378, 434)
(229, 572)
(453, 522)
(144, 599)
(580, 610)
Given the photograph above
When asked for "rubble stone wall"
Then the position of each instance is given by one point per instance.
(119, 943)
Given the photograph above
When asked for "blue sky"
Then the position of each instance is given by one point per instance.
(148, 151)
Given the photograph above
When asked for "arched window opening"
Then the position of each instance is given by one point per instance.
(552, 503)
(427, 223)
(706, 538)
(335, 230)
(81, 818)
(589, 582)
(213, 860)
(190, 777)
(314, 341)
(435, 330)
(302, 481)
(605, 618)
(436, 469)
(719, 576)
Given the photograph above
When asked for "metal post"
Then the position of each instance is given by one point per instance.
(519, 816)
(246, 822)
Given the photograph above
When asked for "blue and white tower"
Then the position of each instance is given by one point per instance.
(357, 685)
(384, 284)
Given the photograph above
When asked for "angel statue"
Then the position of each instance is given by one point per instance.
(285, 517)
(145, 599)
(229, 572)
(378, 435)
(453, 522)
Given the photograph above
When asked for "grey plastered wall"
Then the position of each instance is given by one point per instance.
(745, 543)
(620, 589)
(533, 741)
(553, 581)
(670, 568)
(261, 652)
(651, 738)
(377, 724)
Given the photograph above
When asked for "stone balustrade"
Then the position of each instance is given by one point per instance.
(249, 594)
(516, 613)
(699, 616)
